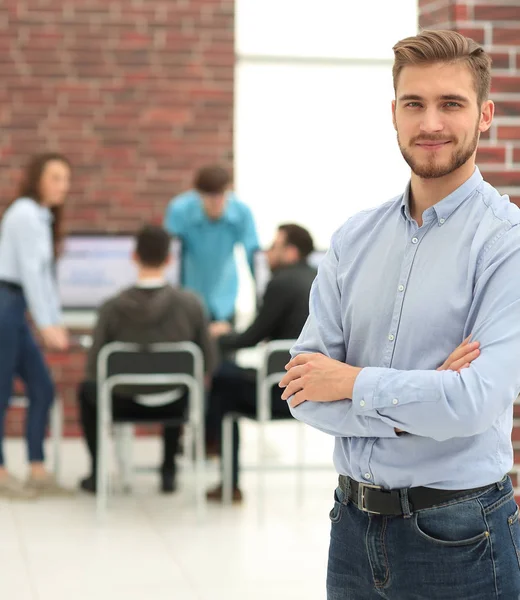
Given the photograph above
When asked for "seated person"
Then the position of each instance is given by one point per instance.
(151, 311)
(283, 313)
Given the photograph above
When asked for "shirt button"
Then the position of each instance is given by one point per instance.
(391, 337)
(367, 476)
(401, 288)
(395, 401)
(362, 403)
(414, 240)
(441, 221)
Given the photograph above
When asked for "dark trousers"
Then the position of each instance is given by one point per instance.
(126, 409)
(21, 357)
(234, 390)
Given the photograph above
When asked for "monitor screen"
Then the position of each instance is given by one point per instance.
(92, 268)
(263, 274)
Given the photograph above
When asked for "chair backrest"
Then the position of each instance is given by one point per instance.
(276, 356)
(136, 367)
(272, 369)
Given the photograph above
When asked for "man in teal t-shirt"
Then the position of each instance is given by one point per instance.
(210, 221)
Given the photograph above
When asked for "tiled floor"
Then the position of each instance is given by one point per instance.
(151, 547)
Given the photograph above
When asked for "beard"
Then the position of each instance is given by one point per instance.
(432, 168)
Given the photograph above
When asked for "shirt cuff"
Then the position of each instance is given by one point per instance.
(364, 396)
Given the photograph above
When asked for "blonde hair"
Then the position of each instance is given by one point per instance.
(433, 46)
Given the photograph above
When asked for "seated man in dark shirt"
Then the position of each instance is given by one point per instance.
(149, 312)
(283, 313)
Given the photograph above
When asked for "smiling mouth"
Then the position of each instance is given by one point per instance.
(433, 145)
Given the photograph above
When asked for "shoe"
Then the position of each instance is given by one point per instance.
(168, 482)
(215, 495)
(88, 484)
(14, 489)
(47, 486)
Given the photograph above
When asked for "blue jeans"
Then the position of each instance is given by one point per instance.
(20, 356)
(465, 549)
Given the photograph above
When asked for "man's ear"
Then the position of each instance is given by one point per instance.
(486, 115)
(292, 254)
(393, 115)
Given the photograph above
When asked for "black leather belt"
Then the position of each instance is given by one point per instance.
(379, 501)
(11, 285)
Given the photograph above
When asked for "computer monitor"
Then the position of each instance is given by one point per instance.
(94, 267)
(262, 273)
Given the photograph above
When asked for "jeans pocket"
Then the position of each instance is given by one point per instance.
(337, 509)
(514, 528)
(460, 524)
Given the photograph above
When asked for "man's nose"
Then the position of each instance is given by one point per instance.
(432, 121)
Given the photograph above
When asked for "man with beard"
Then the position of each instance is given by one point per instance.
(424, 509)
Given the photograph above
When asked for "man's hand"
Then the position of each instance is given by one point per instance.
(219, 328)
(55, 337)
(318, 378)
(462, 356)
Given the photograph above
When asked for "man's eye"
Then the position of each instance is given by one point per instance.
(413, 104)
(453, 105)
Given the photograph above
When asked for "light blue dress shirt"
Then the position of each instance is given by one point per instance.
(208, 261)
(27, 258)
(397, 299)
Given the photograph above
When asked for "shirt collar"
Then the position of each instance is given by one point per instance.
(151, 283)
(231, 214)
(447, 206)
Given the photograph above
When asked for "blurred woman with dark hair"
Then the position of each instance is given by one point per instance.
(30, 235)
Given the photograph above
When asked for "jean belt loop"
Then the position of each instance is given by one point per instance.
(347, 490)
(405, 504)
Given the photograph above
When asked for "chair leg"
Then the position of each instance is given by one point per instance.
(102, 465)
(200, 452)
(124, 451)
(188, 435)
(300, 458)
(261, 467)
(56, 419)
(118, 436)
(227, 459)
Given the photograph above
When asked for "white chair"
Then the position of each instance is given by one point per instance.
(55, 428)
(272, 369)
(150, 369)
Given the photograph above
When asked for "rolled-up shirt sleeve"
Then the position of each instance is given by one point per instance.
(323, 333)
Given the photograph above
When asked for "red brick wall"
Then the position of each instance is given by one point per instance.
(138, 93)
(496, 25)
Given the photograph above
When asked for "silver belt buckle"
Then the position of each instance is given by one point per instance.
(361, 497)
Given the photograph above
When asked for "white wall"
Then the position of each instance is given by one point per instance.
(314, 141)
(326, 28)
